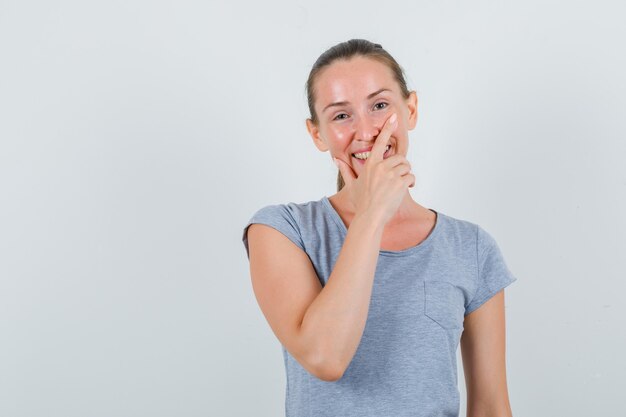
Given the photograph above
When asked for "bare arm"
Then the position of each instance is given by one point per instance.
(484, 364)
(336, 318)
(320, 326)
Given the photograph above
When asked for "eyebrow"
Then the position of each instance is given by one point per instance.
(343, 103)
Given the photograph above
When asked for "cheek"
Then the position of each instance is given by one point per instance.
(383, 115)
(379, 118)
(340, 137)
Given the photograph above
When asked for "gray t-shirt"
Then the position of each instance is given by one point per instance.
(405, 364)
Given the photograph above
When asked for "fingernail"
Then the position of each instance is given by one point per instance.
(393, 118)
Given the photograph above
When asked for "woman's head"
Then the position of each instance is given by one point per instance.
(346, 115)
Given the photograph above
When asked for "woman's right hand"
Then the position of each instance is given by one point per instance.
(382, 184)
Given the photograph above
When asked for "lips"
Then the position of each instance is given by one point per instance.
(369, 148)
(386, 154)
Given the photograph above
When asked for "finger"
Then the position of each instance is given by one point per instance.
(404, 171)
(402, 145)
(347, 173)
(409, 179)
(378, 150)
(402, 168)
(396, 159)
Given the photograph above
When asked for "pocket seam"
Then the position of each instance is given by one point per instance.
(430, 297)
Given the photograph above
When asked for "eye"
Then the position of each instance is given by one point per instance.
(381, 102)
(337, 117)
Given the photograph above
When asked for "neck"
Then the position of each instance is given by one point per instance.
(408, 210)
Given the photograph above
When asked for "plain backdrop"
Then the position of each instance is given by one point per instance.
(137, 138)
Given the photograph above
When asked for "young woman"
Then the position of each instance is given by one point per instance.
(368, 292)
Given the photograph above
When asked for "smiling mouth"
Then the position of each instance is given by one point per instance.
(362, 156)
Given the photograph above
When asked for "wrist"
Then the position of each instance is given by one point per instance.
(370, 220)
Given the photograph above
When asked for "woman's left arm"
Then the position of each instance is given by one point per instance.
(484, 360)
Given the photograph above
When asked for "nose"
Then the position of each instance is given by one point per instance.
(366, 129)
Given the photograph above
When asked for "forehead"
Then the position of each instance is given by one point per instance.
(352, 79)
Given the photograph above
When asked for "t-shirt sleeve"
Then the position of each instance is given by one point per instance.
(493, 274)
(281, 218)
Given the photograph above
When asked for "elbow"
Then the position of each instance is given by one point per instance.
(321, 359)
(326, 370)
(329, 374)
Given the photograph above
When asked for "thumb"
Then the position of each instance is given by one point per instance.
(346, 171)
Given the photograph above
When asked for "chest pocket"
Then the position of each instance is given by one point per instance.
(444, 304)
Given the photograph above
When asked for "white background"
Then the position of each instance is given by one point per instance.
(138, 137)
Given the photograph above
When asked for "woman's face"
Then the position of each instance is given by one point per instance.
(354, 98)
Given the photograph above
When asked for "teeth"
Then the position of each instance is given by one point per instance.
(365, 155)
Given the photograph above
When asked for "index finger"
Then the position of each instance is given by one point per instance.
(402, 144)
(378, 150)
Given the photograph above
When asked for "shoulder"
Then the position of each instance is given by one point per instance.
(291, 219)
(458, 230)
(291, 211)
(466, 236)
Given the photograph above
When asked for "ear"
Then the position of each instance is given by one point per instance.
(411, 103)
(315, 134)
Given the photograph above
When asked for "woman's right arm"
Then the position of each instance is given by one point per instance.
(320, 326)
